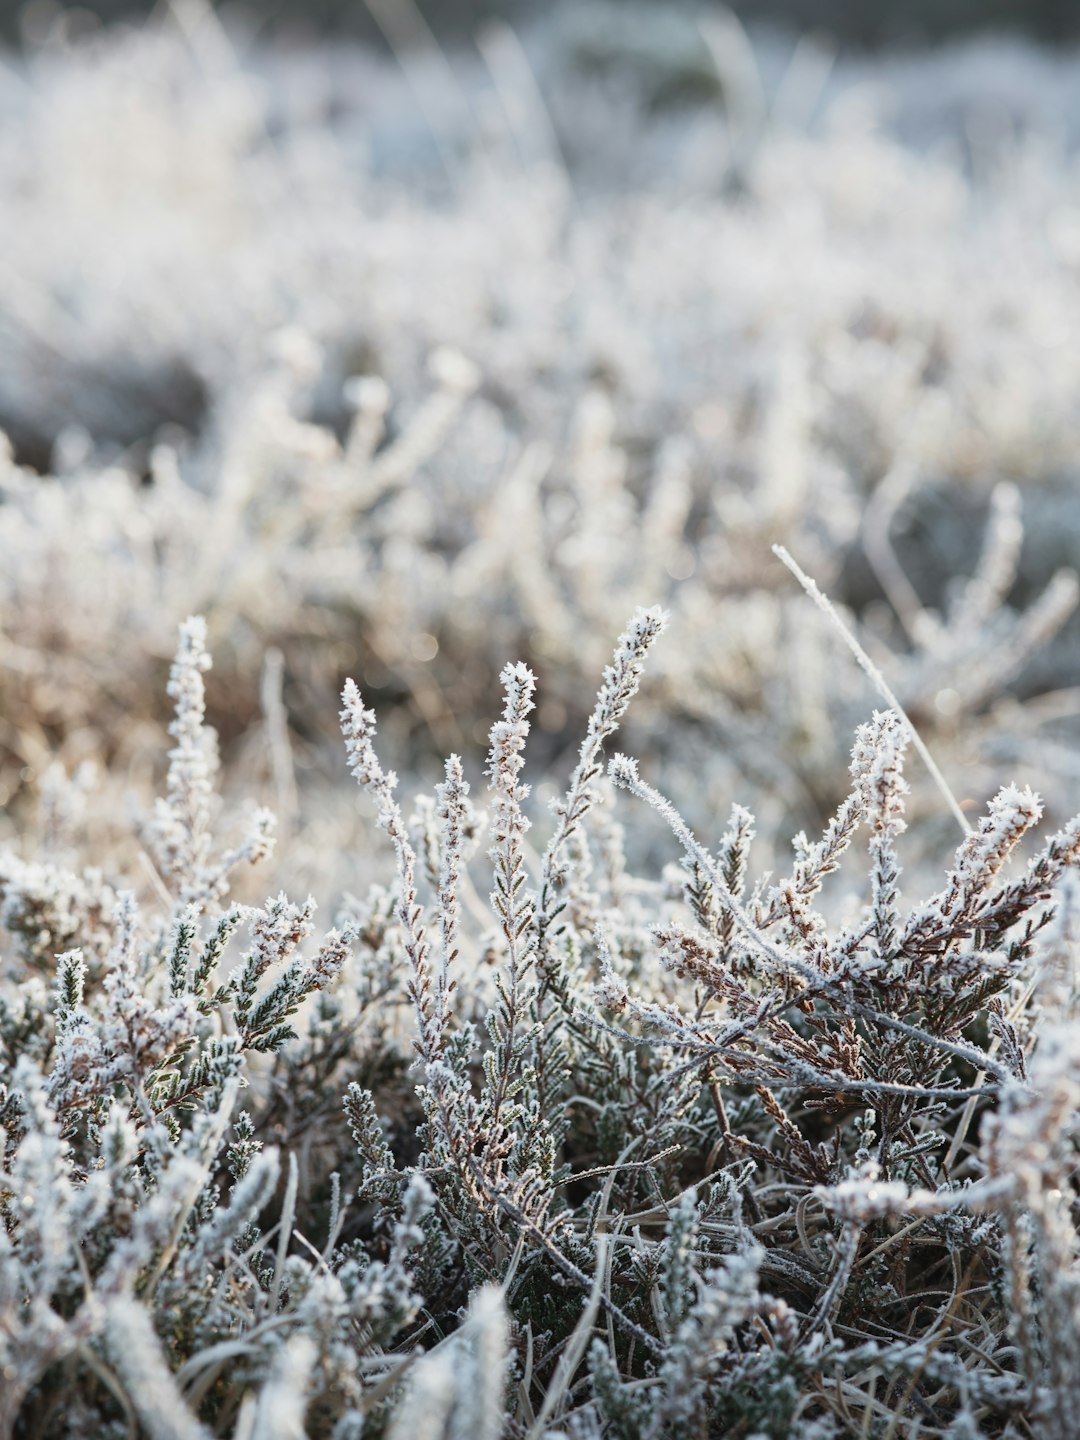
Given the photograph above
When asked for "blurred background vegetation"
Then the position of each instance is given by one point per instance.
(400, 369)
(869, 23)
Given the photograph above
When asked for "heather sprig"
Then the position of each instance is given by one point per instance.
(358, 726)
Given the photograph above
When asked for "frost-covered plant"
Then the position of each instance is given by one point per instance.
(606, 1118)
(683, 1154)
(131, 1248)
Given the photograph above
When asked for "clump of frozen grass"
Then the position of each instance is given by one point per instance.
(618, 1156)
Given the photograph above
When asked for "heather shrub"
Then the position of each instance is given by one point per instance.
(551, 1092)
(686, 1153)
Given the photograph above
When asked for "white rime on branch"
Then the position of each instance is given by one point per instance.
(628, 1154)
